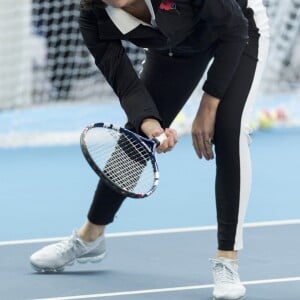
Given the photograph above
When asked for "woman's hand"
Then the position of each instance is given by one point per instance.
(152, 128)
(203, 126)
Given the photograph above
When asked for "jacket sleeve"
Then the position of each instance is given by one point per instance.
(113, 62)
(230, 25)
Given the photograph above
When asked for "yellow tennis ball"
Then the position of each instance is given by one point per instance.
(180, 118)
(273, 115)
(265, 121)
(253, 125)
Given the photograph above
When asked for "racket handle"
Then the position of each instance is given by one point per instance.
(159, 139)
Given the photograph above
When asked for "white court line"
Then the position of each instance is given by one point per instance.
(166, 290)
(157, 232)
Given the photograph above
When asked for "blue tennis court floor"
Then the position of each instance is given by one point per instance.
(46, 192)
(168, 264)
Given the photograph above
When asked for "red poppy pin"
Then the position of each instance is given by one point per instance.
(167, 5)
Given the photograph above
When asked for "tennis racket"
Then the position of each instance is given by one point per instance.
(123, 159)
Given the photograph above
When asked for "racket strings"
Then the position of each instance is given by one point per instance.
(122, 159)
(127, 163)
(117, 157)
(118, 173)
(121, 151)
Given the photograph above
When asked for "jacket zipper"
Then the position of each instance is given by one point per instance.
(174, 8)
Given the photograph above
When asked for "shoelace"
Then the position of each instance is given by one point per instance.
(67, 245)
(224, 272)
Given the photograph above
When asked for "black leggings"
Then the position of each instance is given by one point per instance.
(170, 81)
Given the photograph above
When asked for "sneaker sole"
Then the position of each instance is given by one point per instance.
(92, 259)
(47, 270)
(83, 260)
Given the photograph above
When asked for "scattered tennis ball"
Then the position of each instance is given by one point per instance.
(265, 120)
(180, 118)
(281, 114)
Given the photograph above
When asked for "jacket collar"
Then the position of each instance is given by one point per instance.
(126, 22)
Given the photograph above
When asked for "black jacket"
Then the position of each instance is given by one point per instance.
(193, 25)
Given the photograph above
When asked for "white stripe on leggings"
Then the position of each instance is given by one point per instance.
(261, 20)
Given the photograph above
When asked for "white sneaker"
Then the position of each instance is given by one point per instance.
(55, 257)
(227, 282)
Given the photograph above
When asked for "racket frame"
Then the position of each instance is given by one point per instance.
(149, 144)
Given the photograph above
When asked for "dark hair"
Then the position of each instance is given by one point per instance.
(88, 4)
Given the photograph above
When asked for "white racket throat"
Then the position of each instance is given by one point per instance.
(161, 138)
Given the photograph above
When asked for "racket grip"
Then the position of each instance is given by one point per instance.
(159, 139)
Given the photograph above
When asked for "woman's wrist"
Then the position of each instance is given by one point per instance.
(151, 127)
(210, 102)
